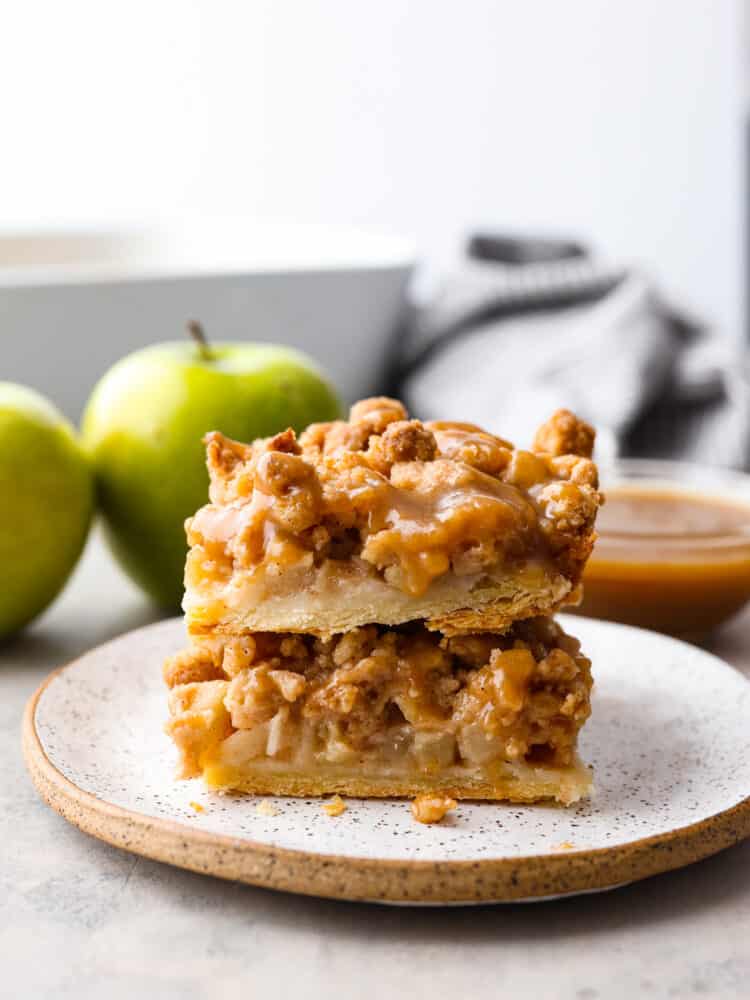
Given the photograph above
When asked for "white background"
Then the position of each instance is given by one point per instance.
(619, 121)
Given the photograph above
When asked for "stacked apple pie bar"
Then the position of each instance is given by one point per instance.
(368, 609)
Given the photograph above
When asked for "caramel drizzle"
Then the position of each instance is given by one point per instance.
(420, 532)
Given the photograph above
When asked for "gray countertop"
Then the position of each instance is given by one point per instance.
(81, 919)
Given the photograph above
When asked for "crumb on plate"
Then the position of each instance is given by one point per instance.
(265, 808)
(198, 807)
(564, 846)
(431, 807)
(335, 806)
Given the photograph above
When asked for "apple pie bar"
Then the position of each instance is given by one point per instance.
(385, 519)
(385, 711)
(368, 612)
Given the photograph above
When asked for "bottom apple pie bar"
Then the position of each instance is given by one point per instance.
(385, 711)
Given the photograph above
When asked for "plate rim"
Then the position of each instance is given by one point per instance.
(385, 880)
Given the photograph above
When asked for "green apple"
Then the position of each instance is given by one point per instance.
(46, 503)
(144, 425)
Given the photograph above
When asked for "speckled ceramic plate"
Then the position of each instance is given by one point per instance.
(669, 740)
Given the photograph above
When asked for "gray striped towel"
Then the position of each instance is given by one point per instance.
(502, 345)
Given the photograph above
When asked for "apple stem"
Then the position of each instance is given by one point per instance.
(197, 332)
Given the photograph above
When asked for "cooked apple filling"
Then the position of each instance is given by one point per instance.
(417, 520)
(378, 700)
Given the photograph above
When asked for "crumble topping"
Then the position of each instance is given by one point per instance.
(565, 434)
(431, 807)
(265, 808)
(392, 692)
(408, 500)
(335, 806)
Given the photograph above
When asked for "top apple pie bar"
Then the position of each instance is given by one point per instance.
(385, 519)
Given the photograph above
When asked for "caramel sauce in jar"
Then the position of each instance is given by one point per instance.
(669, 556)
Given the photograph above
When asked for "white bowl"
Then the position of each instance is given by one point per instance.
(73, 302)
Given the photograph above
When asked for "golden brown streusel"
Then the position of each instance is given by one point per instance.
(565, 434)
(519, 696)
(432, 807)
(411, 501)
(335, 806)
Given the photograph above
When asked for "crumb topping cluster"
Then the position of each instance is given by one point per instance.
(432, 807)
(412, 501)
